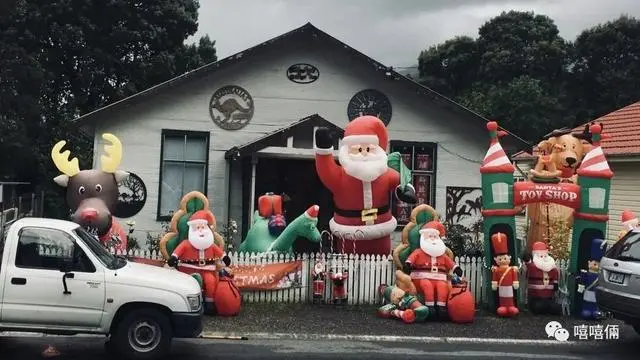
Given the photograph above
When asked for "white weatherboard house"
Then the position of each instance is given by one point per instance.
(244, 126)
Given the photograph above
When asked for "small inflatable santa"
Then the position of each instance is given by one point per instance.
(542, 280)
(362, 219)
(629, 222)
(199, 255)
(430, 267)
(504, 276)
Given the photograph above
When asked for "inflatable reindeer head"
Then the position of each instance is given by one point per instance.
(92, 195)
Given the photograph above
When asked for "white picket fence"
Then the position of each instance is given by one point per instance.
(366, 274)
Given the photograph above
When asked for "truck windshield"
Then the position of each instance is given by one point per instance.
(106, 258)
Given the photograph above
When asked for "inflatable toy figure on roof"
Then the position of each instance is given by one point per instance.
(361, 184)
(92, 195)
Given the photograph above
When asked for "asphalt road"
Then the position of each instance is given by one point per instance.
(75, 348)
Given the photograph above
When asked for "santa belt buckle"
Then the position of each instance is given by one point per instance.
(369, 214)
(202, 262)
(434, 269)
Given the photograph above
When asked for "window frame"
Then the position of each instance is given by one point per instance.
(393, 147)
(186, 134)
(90, 267)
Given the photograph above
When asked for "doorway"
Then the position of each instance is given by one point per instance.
(298, 183)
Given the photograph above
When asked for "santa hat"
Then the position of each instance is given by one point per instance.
(539, 248)
(434, 227)
(499, 242)
(312, 212)
(204, 217)
(366, 130)
(629, 218)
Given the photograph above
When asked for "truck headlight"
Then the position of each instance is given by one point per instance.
(195, 302)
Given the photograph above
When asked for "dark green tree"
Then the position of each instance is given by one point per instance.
(450, 68)
(61, 59)
(606, 68)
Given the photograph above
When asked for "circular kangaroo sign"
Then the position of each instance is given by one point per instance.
(132, 197)
(303, 73)
(231, 107)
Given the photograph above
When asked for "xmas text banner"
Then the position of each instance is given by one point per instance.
(566, 194)
(250, 277)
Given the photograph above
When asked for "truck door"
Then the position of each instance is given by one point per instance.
(34, 288)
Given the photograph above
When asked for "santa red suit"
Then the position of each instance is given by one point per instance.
(199, 254)
(115, 237)
(504, 277)
(361, 186)
(542, 280)
(429, 267)
(339, 292)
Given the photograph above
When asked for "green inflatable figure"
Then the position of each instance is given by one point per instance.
(260, 239)
(402, 301)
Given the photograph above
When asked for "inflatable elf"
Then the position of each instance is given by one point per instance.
(588, 279)
(361, 184)
(402, 301)
(504, 276)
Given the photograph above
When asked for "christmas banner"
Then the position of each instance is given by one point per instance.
(564, 193)
(250, 277)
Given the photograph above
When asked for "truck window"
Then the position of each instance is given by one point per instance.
(49, 249)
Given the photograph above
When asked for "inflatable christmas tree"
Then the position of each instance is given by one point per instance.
(179, 230)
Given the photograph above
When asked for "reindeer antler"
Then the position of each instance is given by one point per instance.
(61, 160)
(113, 152)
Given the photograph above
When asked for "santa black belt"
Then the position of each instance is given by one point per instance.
(358, 213)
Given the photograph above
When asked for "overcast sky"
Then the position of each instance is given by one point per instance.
(390, 31)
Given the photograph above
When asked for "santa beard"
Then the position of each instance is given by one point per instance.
(545, 264)
(201, 239)
(364, 168)
(434, 248)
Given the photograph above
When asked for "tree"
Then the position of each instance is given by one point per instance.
(523, 104)
(606, 68)
(451, 67)
(60, 59)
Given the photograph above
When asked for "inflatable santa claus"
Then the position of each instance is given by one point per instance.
(200, 256)
(430, 268)
(504, 276)
(629, 222)
(542, 280)
(361, 185)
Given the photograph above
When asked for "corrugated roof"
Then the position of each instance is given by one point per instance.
(623, 127)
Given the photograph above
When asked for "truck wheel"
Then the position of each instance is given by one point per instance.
(142, 334)
(636, 327)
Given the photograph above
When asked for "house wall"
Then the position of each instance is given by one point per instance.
(521, 220)
(280, 102)
(625, 194)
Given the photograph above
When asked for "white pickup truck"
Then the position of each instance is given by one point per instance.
(56, 278)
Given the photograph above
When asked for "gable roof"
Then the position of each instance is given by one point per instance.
(280, 136)
(622, 127)
(307, 31)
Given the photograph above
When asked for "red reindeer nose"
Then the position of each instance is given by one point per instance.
(89, 214)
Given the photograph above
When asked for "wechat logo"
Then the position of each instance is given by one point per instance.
(555, 330)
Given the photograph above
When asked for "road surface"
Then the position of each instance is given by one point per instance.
(78, 348)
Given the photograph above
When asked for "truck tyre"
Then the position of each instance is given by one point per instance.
(142, 334)
(636, 327)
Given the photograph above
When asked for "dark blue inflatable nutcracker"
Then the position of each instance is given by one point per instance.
(588, 279)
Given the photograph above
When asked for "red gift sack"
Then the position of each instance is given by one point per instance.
(269, 204)
(461, 305)
(228, 298)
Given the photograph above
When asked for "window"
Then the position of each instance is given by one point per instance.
(596, 198)
(50, 249)
(500, 193)
(183, 168)
(421, 159)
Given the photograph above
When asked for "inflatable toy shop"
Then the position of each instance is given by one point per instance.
(586, 193)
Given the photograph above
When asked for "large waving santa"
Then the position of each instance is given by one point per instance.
(361, 186)
(199, 255)
(430, 266)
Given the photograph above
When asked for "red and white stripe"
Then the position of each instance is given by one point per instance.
(595, 161)
(495, 156)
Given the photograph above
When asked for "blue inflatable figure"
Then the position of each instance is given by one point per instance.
(588, 279)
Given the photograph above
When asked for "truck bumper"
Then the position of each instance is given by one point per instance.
(187, 325)
(625, 307)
